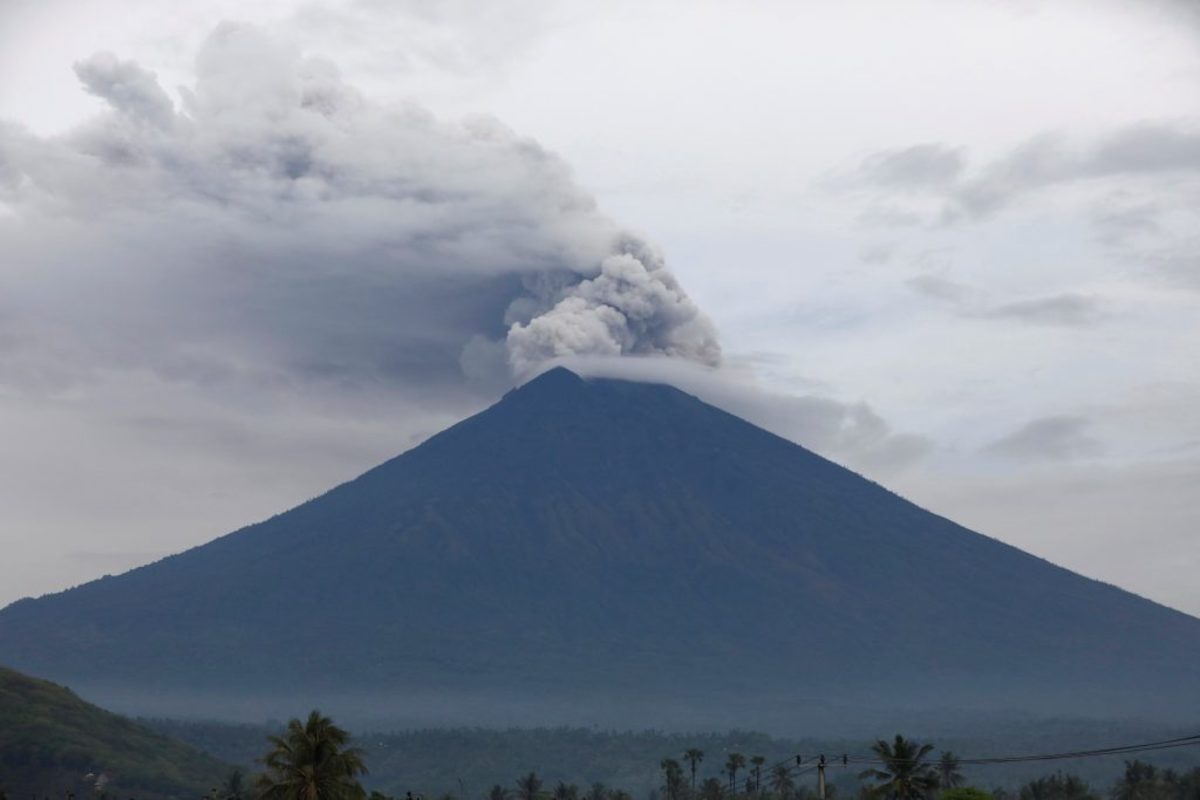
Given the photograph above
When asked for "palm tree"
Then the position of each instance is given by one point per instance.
(672, 778)
(498, 792)
(528, 787)
(903, 773)
(758, 762)
(312, 762)
(693, 756)
(781, 781)
(949, 776)
(735, 762)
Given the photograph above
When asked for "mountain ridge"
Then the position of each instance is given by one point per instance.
(604, 539)
(51, 740)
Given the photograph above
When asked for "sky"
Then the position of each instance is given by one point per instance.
(249, 250)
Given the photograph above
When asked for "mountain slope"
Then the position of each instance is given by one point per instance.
(50, 740)
(593, 547)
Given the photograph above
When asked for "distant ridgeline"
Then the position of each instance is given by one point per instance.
(52, 743)
(613, 553)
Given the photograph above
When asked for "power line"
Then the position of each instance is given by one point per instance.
(1165, 744)
(796, 765)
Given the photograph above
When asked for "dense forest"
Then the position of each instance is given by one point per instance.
(316, 760)
(54, 744)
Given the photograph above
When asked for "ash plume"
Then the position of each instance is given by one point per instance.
(278, 228)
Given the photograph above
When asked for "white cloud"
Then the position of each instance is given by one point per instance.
(1055, 437)
(128, 88)
(1063, 309)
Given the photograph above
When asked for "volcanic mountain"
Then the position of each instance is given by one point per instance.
(616, 552)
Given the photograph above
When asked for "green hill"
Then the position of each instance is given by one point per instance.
(51, 741)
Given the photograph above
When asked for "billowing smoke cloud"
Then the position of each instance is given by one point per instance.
(633, 306)
(128, 88)
(280, 230)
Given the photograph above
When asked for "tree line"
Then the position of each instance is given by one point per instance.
(905, 770)
(313, 760)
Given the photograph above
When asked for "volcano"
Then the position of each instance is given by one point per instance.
(604, 551)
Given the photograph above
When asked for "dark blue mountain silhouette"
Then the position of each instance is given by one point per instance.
(601, 549)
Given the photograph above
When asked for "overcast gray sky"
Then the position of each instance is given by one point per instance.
(249, 249)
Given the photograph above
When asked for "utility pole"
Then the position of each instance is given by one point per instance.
(821, 778)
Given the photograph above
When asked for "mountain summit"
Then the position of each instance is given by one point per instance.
(616, 552)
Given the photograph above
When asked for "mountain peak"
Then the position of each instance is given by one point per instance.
(554, 376)
(556, 380)
(597, 404)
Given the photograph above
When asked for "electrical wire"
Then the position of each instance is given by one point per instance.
(1165, 744)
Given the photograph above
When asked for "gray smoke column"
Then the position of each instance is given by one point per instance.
(277, 228)
(633, 306)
